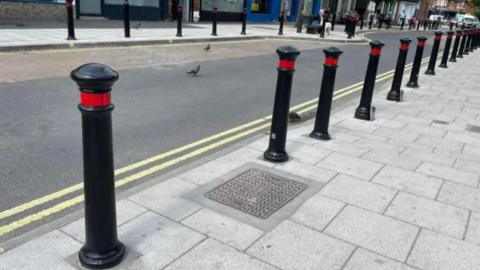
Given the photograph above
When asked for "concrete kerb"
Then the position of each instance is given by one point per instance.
(126, 43)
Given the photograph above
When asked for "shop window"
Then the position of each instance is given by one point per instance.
(259, 6)
(223, 5)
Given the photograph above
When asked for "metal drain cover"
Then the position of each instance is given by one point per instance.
(473, 128)
(256, 192)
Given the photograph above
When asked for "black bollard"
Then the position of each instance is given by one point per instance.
(413, 81)
(244, 21)
(214, 21)
(365, 110)
(396, 93)
(450, 25)
(281, 19)
(278, 132)
(467, 42)
(434, 55)
(126, 18)
(472, 34)
(462, 44)
(370, 22)
(102, 248)
(361, 22)
(320, 130)
(425, 25)
(179, 20)
(409, 25)
(446, 50)
(402, 23)
(458, 36)
(70, 26)
(334, 17)
(418, 25)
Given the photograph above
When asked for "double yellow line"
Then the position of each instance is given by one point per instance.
(238, 133)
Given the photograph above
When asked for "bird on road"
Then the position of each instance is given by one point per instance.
(207, 48)
(194, 71)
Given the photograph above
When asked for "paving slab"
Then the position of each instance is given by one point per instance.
(460, 195)
(386, 236)
(227, 230)
(454, 175)
(366, 260)
(433, 251)
(359, 192)
(212, 254)
(353, 166)
(433, 215)
(392, 158)
(293, 246)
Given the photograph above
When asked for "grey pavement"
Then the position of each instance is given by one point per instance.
(400, 192)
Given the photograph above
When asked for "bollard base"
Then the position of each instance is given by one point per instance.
(71, 38)
(242, 33)
(179, 35)
(395, 96)
(362, 113)
(452, 60)
(213, 34)
(95, 260)
(275, 156)
(442, 65)
(412, 84)
(430, 72)
(324, 136)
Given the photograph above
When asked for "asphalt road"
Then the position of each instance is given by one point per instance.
(157, 109)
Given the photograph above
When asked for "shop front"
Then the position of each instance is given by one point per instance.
(113, 9)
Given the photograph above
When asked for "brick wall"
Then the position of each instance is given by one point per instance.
(31, 10)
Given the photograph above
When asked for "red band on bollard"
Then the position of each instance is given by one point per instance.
(449, 36)
(438, 37)
(375, 51)
(404, 46)
(459, 34)
(94, 100)
(286, 64)
(331, 61)
(421, 43)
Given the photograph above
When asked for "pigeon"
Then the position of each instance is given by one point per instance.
(207, 48)
(138, 25)
(194, 71)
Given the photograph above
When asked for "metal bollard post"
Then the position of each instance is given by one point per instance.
(244, 21)
(434, 55)
(396, 93)
(467, 42)
(278, 132)
(281, 19)
(370, 22)
(365, 110)
(102, 248)
(472, 40)
(214, 21)
(418, 25)
(458, 36)
(446, 50)
(462, 45)
(402, 24)
(320, 130)
(450, 25)
(361, 22)
(126, 18)
(413, 81)
(425, 25)
(179, 20)
(70, 26)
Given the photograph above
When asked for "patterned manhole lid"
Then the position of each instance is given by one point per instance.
(256, 192)
(473, 128)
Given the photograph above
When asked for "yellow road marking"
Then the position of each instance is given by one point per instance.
(74, 201)
(79, 186)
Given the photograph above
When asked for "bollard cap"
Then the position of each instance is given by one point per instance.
(404, 43)
(459, 33)
(422, 38)
(331, 55)
(438, 35)
(288, 52)
(94, 78)
(449, 34)
(376, 47)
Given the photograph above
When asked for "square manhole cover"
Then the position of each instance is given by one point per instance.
(256, 192)
(473, 128)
